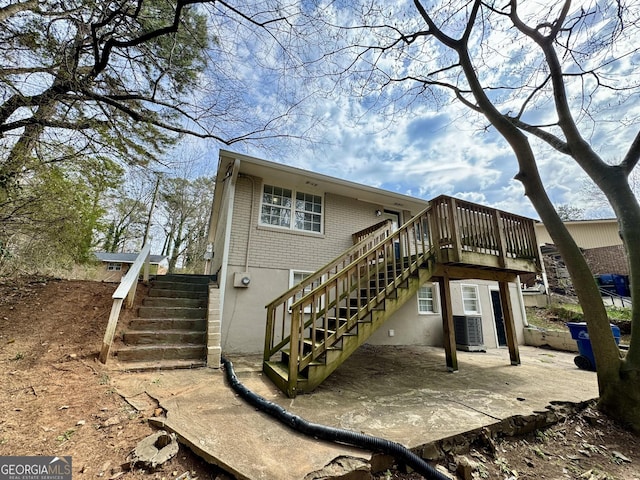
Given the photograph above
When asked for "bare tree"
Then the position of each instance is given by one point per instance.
(184, 204)
(543, 75)
(126, 79)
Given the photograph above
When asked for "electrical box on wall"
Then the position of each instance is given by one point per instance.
(241, 279)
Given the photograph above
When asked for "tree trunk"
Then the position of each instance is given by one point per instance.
(621, 397)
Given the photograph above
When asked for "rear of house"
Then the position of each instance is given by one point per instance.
(272, 225)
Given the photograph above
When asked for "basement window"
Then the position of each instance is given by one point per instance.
(470, 300)
(114, 267)
(427, 299)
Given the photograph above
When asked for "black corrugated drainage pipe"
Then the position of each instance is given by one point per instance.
(337, 435)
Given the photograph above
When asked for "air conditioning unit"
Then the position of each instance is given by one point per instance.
(468, 330)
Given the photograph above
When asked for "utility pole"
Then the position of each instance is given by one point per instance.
(153, 204)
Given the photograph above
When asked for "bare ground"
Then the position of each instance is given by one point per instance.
(57, 399)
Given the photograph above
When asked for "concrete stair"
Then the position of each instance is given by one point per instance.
(170, 329)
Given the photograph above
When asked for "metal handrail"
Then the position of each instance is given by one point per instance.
(609, 293)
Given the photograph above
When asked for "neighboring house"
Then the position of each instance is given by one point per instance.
(586, 233)
(272, 226)
(601, 246)
(116, 265)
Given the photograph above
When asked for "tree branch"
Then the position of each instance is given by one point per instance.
(552, 140)
(10, 10)
(633, 155)
(43, 122)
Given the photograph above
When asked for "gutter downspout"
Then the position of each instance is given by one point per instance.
(222, 275)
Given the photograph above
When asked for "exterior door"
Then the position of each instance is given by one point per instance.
(394, 217)
(499, 318)
(395, 224)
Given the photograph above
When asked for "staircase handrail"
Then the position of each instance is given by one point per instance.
(126, 289)
(420, 253)
(391, 239)
(322, 274)
(365, 244)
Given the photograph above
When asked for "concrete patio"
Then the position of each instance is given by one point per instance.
(403, 394)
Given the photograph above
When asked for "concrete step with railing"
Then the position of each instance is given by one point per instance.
(172, 312)
(170, 328)
(175, 302)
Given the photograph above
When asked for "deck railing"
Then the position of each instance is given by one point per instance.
(126, 289)
(468, 227)
(304, 321)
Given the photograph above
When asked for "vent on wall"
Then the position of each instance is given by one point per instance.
(468, 330)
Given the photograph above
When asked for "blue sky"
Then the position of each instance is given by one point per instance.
(428, 145)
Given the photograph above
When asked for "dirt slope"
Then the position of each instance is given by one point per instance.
(56, 398)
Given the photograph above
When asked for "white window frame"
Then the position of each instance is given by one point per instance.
(476, 295)
(434, 299)
(292, 282)
(114, 266)
(293, 210)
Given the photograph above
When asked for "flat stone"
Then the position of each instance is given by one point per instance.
(154, 450)
(343, 467)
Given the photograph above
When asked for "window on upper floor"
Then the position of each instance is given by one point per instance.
(286, 208)
(427, 299)
(470, 299)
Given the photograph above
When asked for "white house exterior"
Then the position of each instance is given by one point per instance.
(272, 224)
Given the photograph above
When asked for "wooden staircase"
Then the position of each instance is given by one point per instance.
(315, 326)
(170, 328)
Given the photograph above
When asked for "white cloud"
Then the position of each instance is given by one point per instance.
(430, 147)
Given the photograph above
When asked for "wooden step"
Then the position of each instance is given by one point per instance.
(279, 375)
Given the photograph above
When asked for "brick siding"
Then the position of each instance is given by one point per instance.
(611, 259)
(273, 247)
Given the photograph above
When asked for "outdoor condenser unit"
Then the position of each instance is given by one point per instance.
(468, 330)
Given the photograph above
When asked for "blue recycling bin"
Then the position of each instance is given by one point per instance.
(586, 360)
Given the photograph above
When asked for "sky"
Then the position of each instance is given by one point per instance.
(426, 145)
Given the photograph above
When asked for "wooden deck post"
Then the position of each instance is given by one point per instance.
(454, 231)
(510, 329)
(449, 334)
(111, 330)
